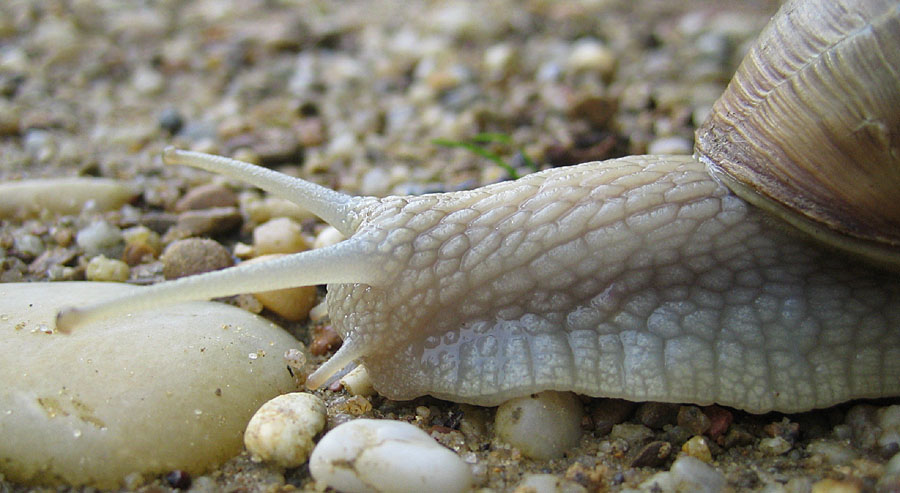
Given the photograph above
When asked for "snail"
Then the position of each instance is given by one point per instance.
(759, 273)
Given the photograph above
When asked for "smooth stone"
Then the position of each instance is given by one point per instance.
(30, 198)
(282, 430)
(151, 392)
(369, 455)
(543, 425)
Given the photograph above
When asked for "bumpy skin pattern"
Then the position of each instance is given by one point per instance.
(640, 278)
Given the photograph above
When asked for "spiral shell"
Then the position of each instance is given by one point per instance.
(810, 124)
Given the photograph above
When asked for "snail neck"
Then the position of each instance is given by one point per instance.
(871, 251)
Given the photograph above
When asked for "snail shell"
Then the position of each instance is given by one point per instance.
(809, 126)
(642, 277)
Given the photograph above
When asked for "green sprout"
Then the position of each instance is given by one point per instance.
(478, 145)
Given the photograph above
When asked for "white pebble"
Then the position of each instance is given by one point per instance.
(100, 237)
(368, 455)
(774, 446)
(293, 304)
(591, 54)
(101, 269)
(281, 235)
(888, 419)
(548, 483)
(327, 237)
(282, 430)
(670, 145)
(541, 426)
(357, 382)
(687, 474)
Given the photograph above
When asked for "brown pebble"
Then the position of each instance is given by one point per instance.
(194, 256)
(138, 253)
(657, 414)
(206, 222)
(785, 428)
(596, 110)
(719, 421)
(325, 339)
(606, 413)
(651, 455)
(693, 419)
(206, 197)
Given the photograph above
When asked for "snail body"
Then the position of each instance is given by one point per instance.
(643, 277)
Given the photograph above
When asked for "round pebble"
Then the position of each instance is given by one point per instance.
(774, 446)
(367, 455)
(693, 419)
(194, 256)
(283, 429)
(206, 197)
(548, 483)
(670, 145)
(149, 392)
(292, 304)
(687, 474)
(101, 238)
(327, 237)
(280, 235)
(541, 426)
(101, 268)
(698, 448)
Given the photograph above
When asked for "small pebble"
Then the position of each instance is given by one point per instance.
(141, 244)
(607, 413)
(283, 429)
(194, 256)
(693, 419)
(774, 446)
(101, 269)
(655, 415)
(101, 238)
(367, 455)
(357, 382)
(591, 54)
(327, 237)
(630, 432)
(697, 447)
(541, 426)
(834, 453)
(829, 485)
(171, 121)
(670, 145)
(548, 483)
(281, 235)
(687, 474)
(205, 222)
(206, 197)
(28, 245)
(652, 454)
(888, 419)
(292, 304)
(325, 340)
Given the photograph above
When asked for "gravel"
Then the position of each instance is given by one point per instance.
(351, 95)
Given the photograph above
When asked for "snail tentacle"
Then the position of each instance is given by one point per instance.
(346, 262)
(335, 208)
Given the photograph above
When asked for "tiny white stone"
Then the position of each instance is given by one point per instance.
(282, 430)
(368, 455)
(327, 237)
(357, 382)
(687, 474)
(548, 483)
(280, 235)
(541, 426)
(670, 145)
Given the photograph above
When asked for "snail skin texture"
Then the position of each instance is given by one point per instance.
(644, 278)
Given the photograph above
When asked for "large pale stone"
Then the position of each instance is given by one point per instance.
(171, 388)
